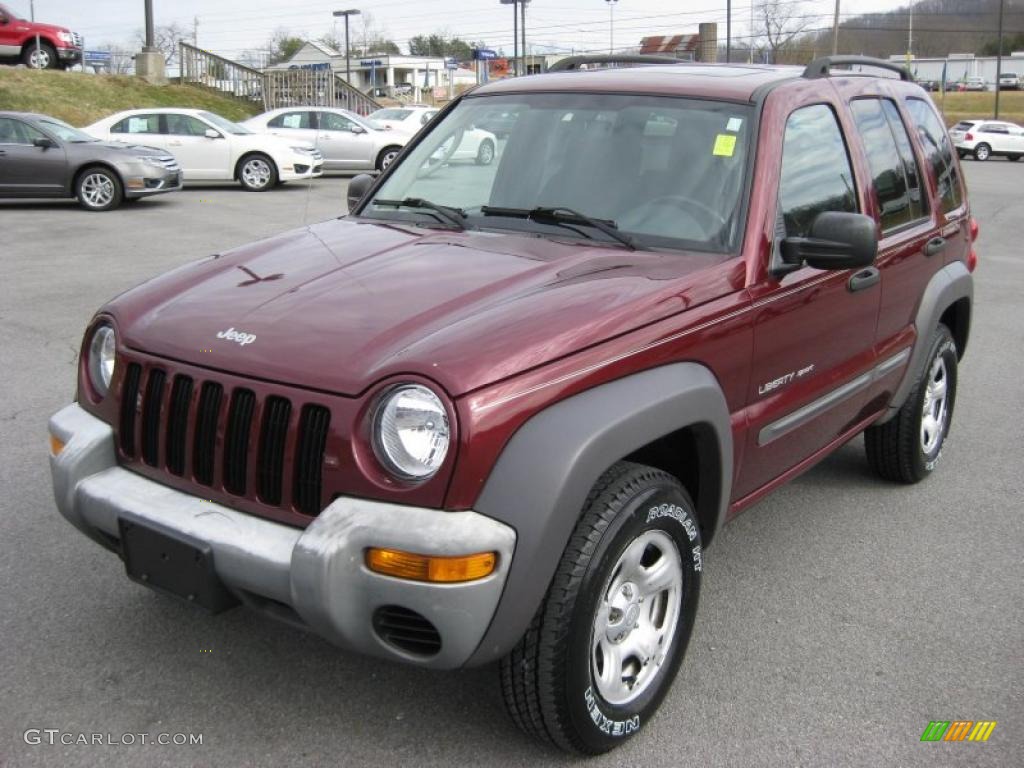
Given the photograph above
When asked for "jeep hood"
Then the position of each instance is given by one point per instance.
(341, 305)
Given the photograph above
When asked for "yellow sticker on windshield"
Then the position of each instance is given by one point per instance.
(725, 145)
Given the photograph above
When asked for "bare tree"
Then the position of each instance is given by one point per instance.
(781, 21)
(165, 39)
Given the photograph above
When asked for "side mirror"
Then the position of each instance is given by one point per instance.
(44, 142)
(838, 241)
(357, 189)
(210, 133)
(358, 129)
(4, 19)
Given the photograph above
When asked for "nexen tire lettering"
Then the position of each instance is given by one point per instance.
(604, 724)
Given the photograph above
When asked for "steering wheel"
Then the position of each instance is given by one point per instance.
(686, 205)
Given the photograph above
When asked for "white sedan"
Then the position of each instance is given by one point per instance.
(985, 138)
(476, 144)
(347, 141)
(211, 148)
(406, 120)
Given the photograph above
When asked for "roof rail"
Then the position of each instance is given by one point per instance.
(573, 63)
(822, 67)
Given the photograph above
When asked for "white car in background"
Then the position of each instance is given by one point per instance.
(985, 138)
(347, 141)
(211, 148)
(476, 144)
(407, 120)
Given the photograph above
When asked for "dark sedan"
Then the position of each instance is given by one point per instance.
(42, 156)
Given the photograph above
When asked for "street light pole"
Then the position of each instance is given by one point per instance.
(728, 31)
(348, 58)
(522, 29)
(611, 26)
(835, 31)
(515, 34)
(999, 57)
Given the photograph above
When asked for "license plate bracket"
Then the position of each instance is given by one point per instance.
(170, 562)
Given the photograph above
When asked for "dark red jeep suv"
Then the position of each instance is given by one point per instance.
(498, 413)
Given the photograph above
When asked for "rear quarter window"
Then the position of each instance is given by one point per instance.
(938, 150)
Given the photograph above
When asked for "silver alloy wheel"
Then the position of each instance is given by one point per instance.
(39, 59)
(97, 190)
(936, 405)
(981, 152)
(256, 173)
(388, 159)
(636, 617)
(486, 155)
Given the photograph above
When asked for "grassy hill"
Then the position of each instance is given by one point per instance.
(81, 99)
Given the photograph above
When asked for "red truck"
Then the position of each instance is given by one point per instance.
(498, 413)
(39, 46)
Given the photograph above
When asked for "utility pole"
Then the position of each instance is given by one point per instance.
(999, 56)
(522, 25)
(835, 31)
(195, 31)
(515, 37)
(728, 30)
(910, 36)
(751, 43)
(32, 12)
(611, 26)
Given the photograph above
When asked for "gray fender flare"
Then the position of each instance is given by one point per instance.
(950, 284)
(542, 478)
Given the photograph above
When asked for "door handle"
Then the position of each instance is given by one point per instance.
(865, 278)
(935, 245)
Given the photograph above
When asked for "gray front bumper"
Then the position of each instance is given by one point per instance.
(315, 576)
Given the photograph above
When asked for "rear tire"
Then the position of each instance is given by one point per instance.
(982, 152)
(908, 447)
(1013, 158)
(608, 638)
(99, 189)
(257, 172)
(44, 57)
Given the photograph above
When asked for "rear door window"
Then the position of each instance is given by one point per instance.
(137, 124)
(816, 171)
(296, 120)
(893, 167)
(938, 151)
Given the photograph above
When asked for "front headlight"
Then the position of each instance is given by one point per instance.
(102, 348)
(411, 432)
(150, 161)
(66, 37)
(303, 150)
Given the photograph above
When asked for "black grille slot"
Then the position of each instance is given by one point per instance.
(129, 396)
(177, 424)
(206, 432)
(151, 416)
(309, 455)
(407, 630)
(236, 440)
(277, 411)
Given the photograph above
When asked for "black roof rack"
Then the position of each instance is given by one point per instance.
(573, 63)
(822, 67)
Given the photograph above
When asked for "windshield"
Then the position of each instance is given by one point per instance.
(390, 114)
(665, 172)
(65, 132)
(224, 124)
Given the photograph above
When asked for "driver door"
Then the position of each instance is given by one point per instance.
(344, 142)
(200, 156)
(25, 169)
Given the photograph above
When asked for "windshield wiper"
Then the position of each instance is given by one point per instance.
(559, 214)
(449, 213)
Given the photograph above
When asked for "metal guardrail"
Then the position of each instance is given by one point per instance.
(274, 88)
(213, 71)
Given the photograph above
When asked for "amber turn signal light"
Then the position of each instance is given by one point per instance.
(407, 565)
(56, 445)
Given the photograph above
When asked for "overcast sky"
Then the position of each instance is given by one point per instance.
(231, 26)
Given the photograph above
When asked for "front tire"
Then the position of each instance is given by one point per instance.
(485, 154)
(99, 189)
(607, 641)
(43, 57)
(257, 173)
(982, 152)
(387, 157)
(908, 447)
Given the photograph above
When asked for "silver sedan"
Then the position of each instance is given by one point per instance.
(348, 142)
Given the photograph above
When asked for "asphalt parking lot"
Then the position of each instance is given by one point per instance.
(839, 616)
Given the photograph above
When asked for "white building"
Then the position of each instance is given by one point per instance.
(960, 66)
(384, 74)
